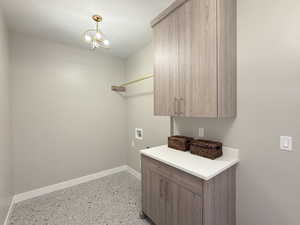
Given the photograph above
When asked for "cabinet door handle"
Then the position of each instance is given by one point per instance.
(161, 188)
(181, 109)
(178, 106)
(174, 106)
(166, 190)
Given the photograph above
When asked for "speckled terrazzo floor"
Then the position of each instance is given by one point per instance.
(112, 200)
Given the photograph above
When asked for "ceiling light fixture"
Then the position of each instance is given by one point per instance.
(94, 37)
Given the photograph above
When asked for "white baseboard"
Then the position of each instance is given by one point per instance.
(9, 211)
(66, 184)
(134, 172)
(56, 187)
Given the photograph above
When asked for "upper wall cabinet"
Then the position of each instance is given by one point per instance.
(195, 59)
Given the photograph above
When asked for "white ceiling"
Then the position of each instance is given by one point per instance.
(126, 22)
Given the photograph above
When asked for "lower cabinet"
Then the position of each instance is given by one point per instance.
(173, 197)
(183, 207)
(156, 205)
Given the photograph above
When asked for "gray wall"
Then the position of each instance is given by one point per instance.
(6, 191)
(268, 106)
(66, 121)
(140, 107)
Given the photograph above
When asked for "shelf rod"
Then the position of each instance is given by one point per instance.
(137, 80)
(122, 88)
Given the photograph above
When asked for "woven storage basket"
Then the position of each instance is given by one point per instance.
(207, 149)
(180, 142)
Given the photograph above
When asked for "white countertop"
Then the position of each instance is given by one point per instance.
(196, 165)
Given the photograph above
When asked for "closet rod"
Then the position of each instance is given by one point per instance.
(122, 88)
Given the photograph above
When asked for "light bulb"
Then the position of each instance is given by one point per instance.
(93, 45)
(97, 45)
(98, 36)
(106, 42)
(87, 38)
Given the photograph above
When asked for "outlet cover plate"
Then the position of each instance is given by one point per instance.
(201, 132)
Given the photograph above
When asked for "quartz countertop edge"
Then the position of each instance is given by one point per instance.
(195, 165)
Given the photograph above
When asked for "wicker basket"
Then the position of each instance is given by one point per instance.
(180, 142)
(207, 149)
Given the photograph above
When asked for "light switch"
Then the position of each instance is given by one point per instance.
(286, 143)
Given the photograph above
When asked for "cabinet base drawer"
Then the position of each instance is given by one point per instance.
(188, 181)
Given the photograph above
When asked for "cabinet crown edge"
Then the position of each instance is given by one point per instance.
(171, 8)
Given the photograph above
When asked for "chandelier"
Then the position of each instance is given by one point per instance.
(94, 37)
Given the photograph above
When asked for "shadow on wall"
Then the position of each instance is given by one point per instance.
(259, 191)
(213, 128)
(249, 186)
(138, 94)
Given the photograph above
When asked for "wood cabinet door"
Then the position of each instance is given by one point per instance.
(183, 207)
(183, 14)
(171, 201)
(153, 199)
(172, 47)
(185, 65)
(202, 94)
(190, 208)
(165, 66)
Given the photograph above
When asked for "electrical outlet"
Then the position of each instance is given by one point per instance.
(286, 143)
(201, 132)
